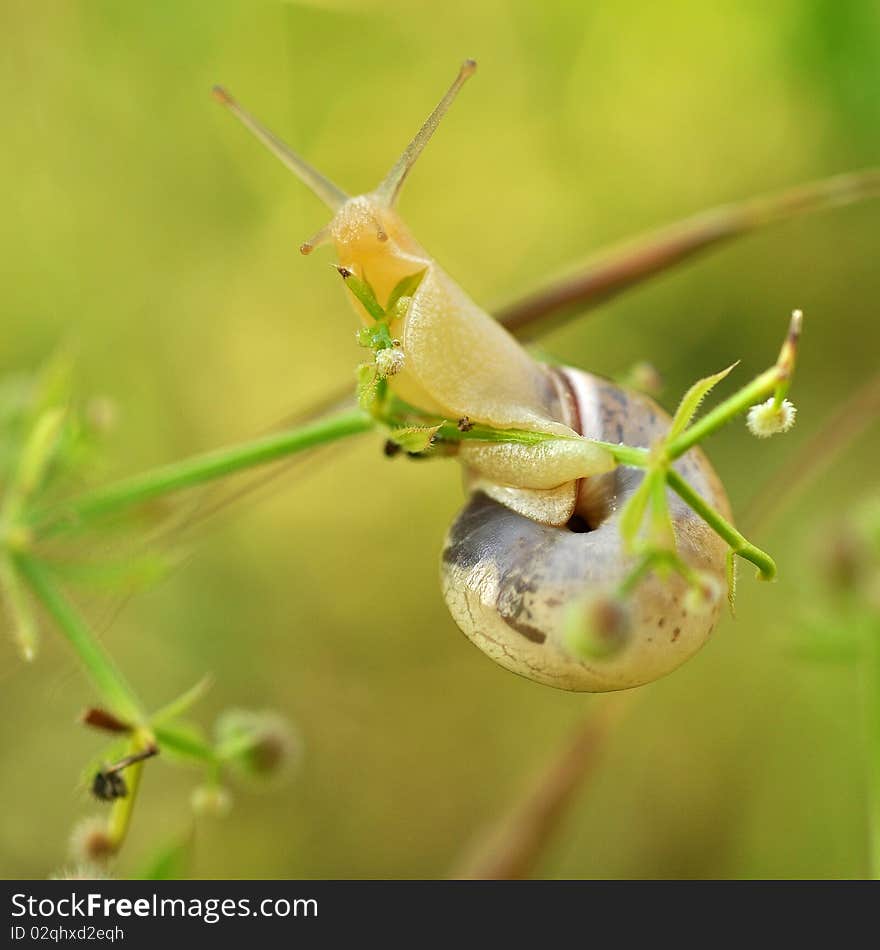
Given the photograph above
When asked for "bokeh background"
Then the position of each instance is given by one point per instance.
(145, 228)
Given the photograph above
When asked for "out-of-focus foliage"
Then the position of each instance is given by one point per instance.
(143, 227)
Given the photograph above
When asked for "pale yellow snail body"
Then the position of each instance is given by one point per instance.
(513, 565)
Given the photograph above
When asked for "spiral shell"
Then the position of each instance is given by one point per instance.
(510, 581)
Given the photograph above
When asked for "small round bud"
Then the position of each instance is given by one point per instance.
(260, 744)
(211, 801)
(390, 361)
(768, 419)
(598, 627)
(646, 379)
(90, 841)
(364, 336)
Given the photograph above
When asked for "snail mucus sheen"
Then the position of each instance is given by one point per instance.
(539, 535)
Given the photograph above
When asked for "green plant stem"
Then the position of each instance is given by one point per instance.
(24, 627)
(401, 417)
(185, 745)
(738, 543)
(758, 389)
(182, 704)
(626, 454)
(196, 471)
(632, 580)
(105, 675)
(123, 808)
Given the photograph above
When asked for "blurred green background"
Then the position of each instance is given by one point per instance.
(145, 228)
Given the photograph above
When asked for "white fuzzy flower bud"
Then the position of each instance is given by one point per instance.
(767, 418)
(390, 361)
(91, 841)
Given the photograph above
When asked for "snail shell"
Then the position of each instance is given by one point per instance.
(513, 565)
(509, 581)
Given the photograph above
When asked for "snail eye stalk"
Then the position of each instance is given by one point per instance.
(321, 186)
(389, 189)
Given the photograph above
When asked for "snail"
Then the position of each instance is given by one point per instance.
(539, 532)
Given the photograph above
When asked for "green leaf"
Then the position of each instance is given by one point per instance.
(691, 402)
(185, 742)
(177, 707)
(171, 862)
(135, 574)
(106, 677)
(363, 292)
(633, 512)
(662, 532)
(18, 607)
(414, 438)
(380, 338)
(36, 457)
(405, 287)
(54, 383)
(367, 386)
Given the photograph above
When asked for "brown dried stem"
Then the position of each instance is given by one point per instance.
(512, 849)
(622, 268)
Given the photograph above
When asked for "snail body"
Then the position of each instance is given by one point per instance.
(512, 565)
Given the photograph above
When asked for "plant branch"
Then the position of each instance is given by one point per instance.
(512, 848)
(76, 512)
(738, 543)
(620, 269)
(741, 401)
(101, 669)
(123, 808)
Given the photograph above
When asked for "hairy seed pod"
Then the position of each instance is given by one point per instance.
(539, 534)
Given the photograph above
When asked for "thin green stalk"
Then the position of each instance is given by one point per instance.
(123, 808)
(626, 454)
(36, 456)
(476, 432)
(758, 389)
(14, 597)
(182, 704)
(738, 543)
(643, 567)
(105, 675)
(195, 471)
(182, 743)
